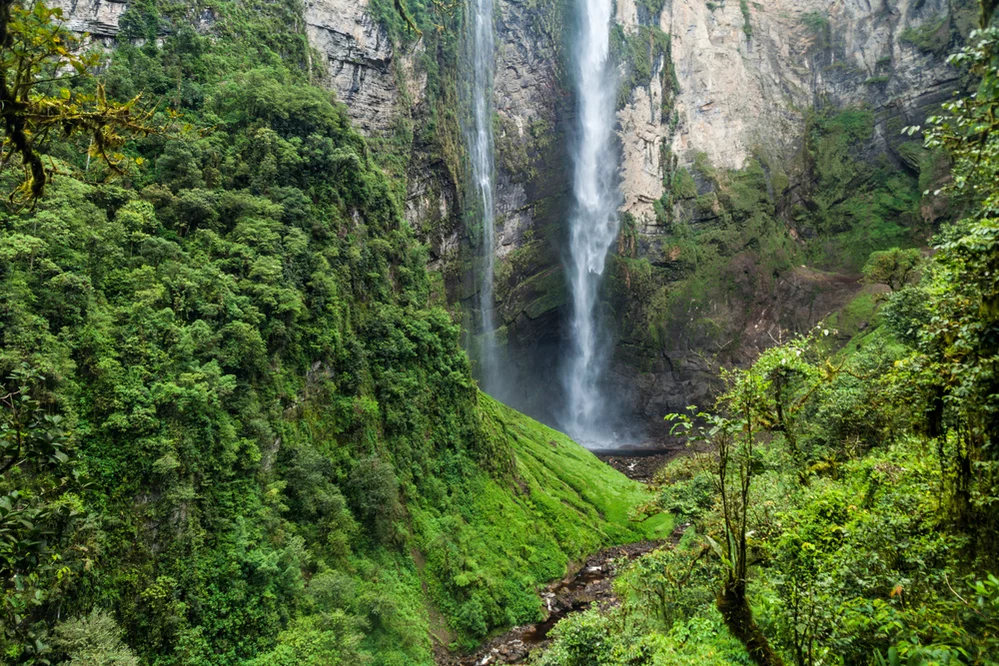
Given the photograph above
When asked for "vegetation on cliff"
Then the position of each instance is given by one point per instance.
(732, 236)
(237, 426)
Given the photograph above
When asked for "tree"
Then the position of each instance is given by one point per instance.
(93, 640)
(735, 436)
(959, 346)
(40, 515)
(759, 403)
(39, 60)
(894, 268)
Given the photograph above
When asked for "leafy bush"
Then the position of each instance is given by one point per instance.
(374, 493)
(92, 640)
(906, 312)
(894, 268)
(686, 487)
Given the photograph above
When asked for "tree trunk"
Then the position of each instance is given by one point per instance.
(734, 607)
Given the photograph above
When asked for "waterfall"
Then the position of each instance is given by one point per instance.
(593, 224)
(481, 154)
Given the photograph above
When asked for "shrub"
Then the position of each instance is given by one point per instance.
(93, 640)
(374, 495)
(894, 268)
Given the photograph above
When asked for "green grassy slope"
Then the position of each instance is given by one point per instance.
(553, 503)
(475, 552)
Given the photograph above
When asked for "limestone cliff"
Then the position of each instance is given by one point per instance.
(98, 18)
(359, 61)
(747, 74)
(745, 79)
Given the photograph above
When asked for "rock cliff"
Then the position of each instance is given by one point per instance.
(747, 75)
(359, 61)
(98, 18)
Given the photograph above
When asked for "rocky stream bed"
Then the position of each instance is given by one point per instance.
(590, 584)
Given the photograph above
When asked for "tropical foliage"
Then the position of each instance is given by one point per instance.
(236, 424)
(845, 512)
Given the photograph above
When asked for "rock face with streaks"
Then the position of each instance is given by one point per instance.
(359, 57)
(746, 79)
(533, 112)
(98, 18)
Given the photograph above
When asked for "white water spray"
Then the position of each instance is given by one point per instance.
(594, 222)
(481, 153)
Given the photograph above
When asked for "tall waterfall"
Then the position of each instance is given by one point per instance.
(594, 221)
(481, 57)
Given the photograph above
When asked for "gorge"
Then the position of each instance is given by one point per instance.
(320, 318)
(701, 90)
(708, 89)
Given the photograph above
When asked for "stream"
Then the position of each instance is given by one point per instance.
(591, 584)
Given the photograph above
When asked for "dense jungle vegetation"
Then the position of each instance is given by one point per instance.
(843, 506)
(237, 426)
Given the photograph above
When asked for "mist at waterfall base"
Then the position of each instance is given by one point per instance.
(589, 414)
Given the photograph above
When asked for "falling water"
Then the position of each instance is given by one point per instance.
(481, 152)
(594, 221)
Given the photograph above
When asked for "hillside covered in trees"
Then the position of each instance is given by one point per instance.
(238, 424)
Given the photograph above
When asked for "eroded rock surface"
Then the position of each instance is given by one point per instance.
(359, 57)
(742, 89)
(98, 18)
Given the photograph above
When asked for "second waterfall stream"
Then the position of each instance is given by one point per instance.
(481, 153)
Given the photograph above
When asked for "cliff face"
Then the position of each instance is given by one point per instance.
(99, 18)
(745, 78)
(737, 80)
(747, 74)
(359, 61)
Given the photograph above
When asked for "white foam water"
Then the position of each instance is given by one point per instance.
(594, 221)
(481, 57)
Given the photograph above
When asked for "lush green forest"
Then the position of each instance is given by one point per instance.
(237, 425)
(841, 503)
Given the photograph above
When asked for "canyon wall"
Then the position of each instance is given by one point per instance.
(745, 79)
(748, 73)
